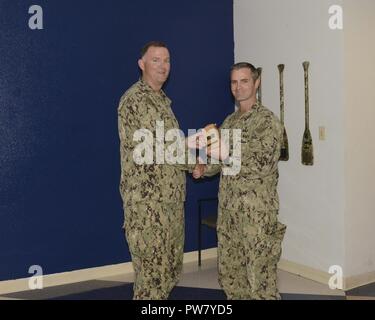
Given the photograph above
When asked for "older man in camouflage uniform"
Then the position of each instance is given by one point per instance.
(153, 194)
(249, 233)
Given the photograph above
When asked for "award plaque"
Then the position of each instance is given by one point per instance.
(212, 135)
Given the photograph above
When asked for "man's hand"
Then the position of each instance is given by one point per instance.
(218, 151)
(199, 170)
(197, 141)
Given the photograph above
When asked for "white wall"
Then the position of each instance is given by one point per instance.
(269, 32)
(360, 135)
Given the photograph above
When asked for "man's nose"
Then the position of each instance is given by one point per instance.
(163, 65)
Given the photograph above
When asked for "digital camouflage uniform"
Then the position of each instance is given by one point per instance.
(153, 196)
(249, 234)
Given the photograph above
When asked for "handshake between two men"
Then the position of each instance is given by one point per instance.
(209, 142)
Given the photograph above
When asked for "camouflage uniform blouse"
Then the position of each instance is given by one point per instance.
(255, 186)
(140, 107)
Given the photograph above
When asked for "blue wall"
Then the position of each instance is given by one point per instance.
(60, 206)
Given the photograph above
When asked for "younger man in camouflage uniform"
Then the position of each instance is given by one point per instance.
(249, 233)
(153, 194)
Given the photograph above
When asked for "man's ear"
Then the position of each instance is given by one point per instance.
(257, 83)
(141, 64)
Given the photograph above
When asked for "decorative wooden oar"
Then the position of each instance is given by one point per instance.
(307, 154)
(284, 152)
(260, 85)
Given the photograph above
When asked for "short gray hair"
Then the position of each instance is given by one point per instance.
(157, 44)
(242, 65)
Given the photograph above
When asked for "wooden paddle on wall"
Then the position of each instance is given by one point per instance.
(307, 154)
(284, 152)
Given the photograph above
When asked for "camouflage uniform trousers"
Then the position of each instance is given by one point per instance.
(155, 235)
(249, 248)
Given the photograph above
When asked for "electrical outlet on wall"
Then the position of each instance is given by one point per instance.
(322, 133)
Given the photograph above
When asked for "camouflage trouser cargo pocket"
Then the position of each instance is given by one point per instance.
(264, 245)
(267, 245)
(154, 228)
(142, 236)
(155, 234)
(176, 229)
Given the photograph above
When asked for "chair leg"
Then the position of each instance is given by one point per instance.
(199, 235)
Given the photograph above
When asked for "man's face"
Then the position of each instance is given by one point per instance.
(155, 66)
(242, 84)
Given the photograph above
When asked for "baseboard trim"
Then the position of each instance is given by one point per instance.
(359, 280)
(50, 280)
(323, 277)
(62, 278)
(304, 271)
(10, 286)
(206, 255)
